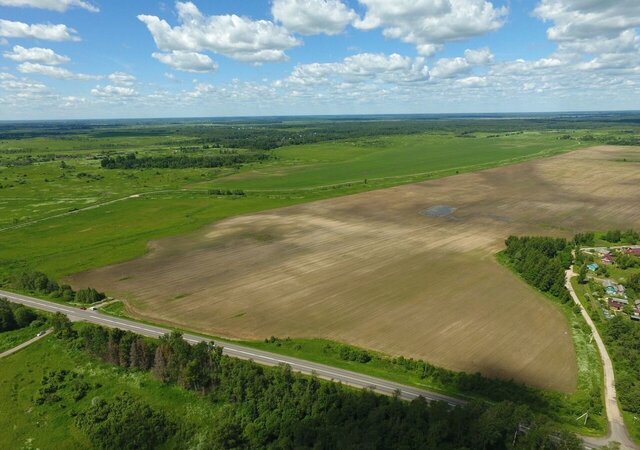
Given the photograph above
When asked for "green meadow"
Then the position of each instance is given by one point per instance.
(51, 425)
(390, 160)
(61, 212)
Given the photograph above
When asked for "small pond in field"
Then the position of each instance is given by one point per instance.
(439, 211)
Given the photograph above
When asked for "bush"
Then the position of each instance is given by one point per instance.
(35, 282)
(24, 316)
(125, 423)
(354, 354)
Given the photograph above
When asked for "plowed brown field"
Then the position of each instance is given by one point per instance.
(371, 270)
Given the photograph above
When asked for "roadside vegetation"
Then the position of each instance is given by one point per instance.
(38, 283)
(19, 324)
(620, 329)
(561, 409)
(87, 395)
(541, 262)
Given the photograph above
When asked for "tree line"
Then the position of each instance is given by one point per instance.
(38, 282)
(623, 342)
(262, 407)
(131, 161)
(542, 262)
(471, 384)
(618, 236)
(14, 316)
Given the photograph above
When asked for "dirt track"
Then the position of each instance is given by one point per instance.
(370, 270)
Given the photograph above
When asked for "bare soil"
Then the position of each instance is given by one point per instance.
(371, 270)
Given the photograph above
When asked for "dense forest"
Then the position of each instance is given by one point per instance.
(542, 262)
(269, 133)
(275, 408)
(131, 161)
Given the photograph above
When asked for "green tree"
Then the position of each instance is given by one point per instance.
(24, 316)
(582, 274)
(7, 319)
(89, 295)
(62, 326)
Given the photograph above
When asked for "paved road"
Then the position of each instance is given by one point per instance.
(23, 345)
(271, 359)
(617, 429)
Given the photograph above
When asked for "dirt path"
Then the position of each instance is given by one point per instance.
(23, 345)
(94, 206)
(617, 429)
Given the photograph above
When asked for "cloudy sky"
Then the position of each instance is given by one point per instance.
(146, 58)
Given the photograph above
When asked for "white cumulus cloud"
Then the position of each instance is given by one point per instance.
(54, 5)
(122, 78)
(362, 67)
(22, 86)
(604, 31)
(313, 16)
(36, 55)
(55, 72)
(453, 67)
(113, 91)
(585, 19)
(47, 32)
(187, 61)
(430, 23)
(230, 35)
(479, 57)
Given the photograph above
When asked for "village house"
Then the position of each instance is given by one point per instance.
(617, 303)
(592, 267)
(610, 287)
(608, 258)
(633, 251)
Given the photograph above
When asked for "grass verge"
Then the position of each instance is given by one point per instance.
(588, 300)
(589, 395)
(562, 408)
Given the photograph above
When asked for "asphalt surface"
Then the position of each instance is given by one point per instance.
(229, 348)
(617, 429)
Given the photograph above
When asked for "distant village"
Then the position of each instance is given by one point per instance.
(619, 296)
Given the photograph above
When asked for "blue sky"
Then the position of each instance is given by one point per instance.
(144, 58)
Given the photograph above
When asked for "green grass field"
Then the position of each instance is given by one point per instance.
(10, 339)
(390, 160)
(44, 224)
(32, 426)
